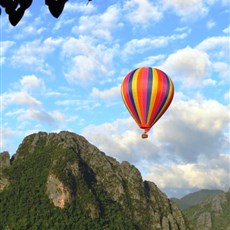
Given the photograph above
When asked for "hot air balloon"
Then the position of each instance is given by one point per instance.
(147, 93)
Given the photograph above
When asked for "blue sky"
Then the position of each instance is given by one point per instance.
(65, 74)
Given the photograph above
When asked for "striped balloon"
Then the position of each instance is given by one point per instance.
(147, 93)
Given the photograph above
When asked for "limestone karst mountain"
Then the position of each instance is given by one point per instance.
(61, 181)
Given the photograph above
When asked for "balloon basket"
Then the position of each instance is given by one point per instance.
(144, 135)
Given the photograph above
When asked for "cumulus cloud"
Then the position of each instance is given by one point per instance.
(37, 115)
(188, 65)
(22, 93)
(189, 130)
(151, 60)
(136, 12)
(194, 128)
(106, 94)
(31, 82)
(223, 70)
(99, 26)
(187, 10)
(227, 30)
(210, 24)
(122, 140)
(218, 47)
(21, 98)
(22, 105)
(33, 53)
(43, 116)
(189, 177)
(209, 82)
(144, 44)
(78, 104)
(88, 61)
(5, 45)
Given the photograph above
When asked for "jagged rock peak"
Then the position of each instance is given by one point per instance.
(75, 169)
(4, 159)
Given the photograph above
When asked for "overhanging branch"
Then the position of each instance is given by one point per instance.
(16, 8)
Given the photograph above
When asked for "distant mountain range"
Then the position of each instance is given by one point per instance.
(195, 198)
(206, 209)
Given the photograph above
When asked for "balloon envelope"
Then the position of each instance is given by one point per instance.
(147, 93)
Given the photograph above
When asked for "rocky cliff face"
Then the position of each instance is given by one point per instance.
(76, 172)
(4, 163)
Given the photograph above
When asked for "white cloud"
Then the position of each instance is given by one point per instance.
(188, 65)
(78, 7)
(5, 45)
(22, 106)
(6, 136)
(88, 61)
(142, 12)
(99, 26)
(227, 96)
(78, 104)
(21, 98)
(218, 47)
(215, 174)
(34, 53)
(188, 131)
(227, 30)
(31, 82)
(37, 115)
(23, 92)
(208, 82)
(122, 140)
(151, 60)
(188, 10)
(43, 116)
(210, 24)
(222, 69)
(106, 94)
(144, 44)
(213, 42)
(194, 128)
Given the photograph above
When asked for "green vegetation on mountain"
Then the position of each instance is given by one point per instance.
(25, 205)
(61, 181)
(195, 198)
(212, 214)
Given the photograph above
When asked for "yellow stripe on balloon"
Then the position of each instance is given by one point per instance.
(153, 95)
